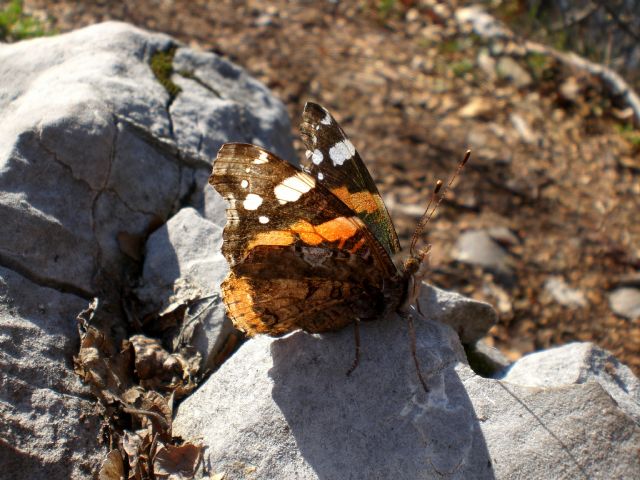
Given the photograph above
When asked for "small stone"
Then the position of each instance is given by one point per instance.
(625, 301)
(511, 70)
(456, 310)
(477, 107)
(442, 11)
(487, 64)
(476, 247)
(432, 33)
(483, 23)
(570, 89)
(503, 236)
(563, 293)
(264, 20)
(412, 15)
(522, 127)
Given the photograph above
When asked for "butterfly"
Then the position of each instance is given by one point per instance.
(310, 248)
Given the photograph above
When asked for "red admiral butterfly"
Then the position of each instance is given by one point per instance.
(311, 249)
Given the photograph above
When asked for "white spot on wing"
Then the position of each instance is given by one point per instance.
(262, 158)
(327, 119)
(320, 176)
(292, 188)
(341, 152)
(244, 184)
(263, 219)
(252, 202)
(317, 157)
(247, 169)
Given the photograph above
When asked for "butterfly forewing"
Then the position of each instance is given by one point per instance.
(334, 162)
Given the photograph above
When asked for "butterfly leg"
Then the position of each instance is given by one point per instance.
(412, 340)
(356, 360)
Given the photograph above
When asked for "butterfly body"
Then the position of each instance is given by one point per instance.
(309, 249)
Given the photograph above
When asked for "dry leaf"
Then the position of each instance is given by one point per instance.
(99, 363)
(175, 462)
(112, 467)
(137, 446)
(160, 370)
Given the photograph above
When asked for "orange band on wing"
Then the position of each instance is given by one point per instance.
(343, 194)
(359, 201)
(339, 230)
(307, 232)
(273, 237)
(365, 202)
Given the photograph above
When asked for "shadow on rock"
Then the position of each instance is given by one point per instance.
(379, 422)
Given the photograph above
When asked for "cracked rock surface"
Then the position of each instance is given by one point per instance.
(94, 149)
(285, 408)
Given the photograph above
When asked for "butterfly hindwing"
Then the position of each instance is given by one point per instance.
(299, 256)
(334, 162)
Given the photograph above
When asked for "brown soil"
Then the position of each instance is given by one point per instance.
(407, 86)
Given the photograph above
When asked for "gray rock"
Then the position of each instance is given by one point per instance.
(47, 423)
(511, 70)
(629, 280)
(485, 360)
(477, 107)
(570, 89)
(287, 408)
(524, 130)
(470, 319)
(487, 64)
(483, 24)
(186, 252)
(578, 363)
(503, 236)
(476, 247)
(284, 408)
(563, 293)
(220, 102)
(92, 146)
(625, 301)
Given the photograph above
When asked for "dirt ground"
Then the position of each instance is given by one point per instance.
(554, 160)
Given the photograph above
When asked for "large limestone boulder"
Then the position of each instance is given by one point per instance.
(285, 408)
(106, 133)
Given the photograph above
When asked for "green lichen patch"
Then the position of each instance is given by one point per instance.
(162, 67)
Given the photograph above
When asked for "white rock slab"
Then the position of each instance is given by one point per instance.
(284, 408)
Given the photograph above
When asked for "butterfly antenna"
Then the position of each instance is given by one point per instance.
(428, 213)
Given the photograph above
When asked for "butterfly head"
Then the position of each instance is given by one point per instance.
(415, 270)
